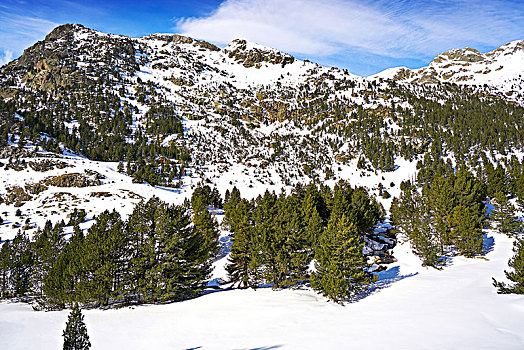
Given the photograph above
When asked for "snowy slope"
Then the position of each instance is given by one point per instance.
(501, 69)
(412, 308)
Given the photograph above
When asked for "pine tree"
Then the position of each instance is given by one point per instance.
(103, 259)
(206, 226)
(5, 263)
(467, 231)
(240, 264)
(46, 246)
(75, 334)
(517, 275)
(61, 284)
(21, 262)
(503, 215)
(424, 242)
(229, 206)
(140, 251)
(183, 261)
(340, 265)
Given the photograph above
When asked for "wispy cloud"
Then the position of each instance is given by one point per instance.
(18, 32)
(6, 57)
(395, 29)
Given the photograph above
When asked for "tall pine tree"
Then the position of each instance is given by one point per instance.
(340, 265)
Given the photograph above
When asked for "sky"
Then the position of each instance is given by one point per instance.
(364, 36)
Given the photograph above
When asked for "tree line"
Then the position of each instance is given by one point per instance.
(278, 237)
(161, 253)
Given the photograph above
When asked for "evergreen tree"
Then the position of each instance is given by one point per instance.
(340, 265)
(229, 206)
(5, 263)
(517, 275)
(467, 231)
(424, 244)
(240, 265)
(183, 260)
(140, 251)
(103, 260)
(503, 215)
(75, 334)
(206, 226)
(61, 284)
(46, 246)
(21, 262)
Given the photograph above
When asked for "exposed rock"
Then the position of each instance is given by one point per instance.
(100, 194)
(17, 196)
(249, 57)
(36, 188)
(180, 39)
(47, 164)
(72, 180)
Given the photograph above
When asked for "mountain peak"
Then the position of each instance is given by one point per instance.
(252, 54)
(63, 30)
(181, 39)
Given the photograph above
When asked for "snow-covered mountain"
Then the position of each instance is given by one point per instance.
(94, 121)
(245, 115)
(502, 68)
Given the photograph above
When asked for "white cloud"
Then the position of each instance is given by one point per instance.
(395, 29)
(6, 57)
(19, 32)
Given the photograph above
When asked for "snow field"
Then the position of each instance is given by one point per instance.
(411, 308)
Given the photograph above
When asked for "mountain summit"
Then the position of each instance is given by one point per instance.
(502, 68)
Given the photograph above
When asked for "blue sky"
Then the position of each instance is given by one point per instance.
(365, 36)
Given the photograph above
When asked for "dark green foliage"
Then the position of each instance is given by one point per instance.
(77, 217)
(466, 231)
(20, 263)
(103, 264)
(340, 265)
(444, 217)
(5, 267)
(61, 284)
(356, 205)
(204, 196)
(158, 255)
(275, 238)
(503, 215)
(46, 247)
(75, 334)
(517, 275)
(184, 256)
(168, 259)
(240, 265)
(206, 226)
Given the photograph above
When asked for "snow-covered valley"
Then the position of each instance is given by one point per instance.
(410, 307)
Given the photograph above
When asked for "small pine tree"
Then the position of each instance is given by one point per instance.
(120, 167)
(75, 334)
(517, 275)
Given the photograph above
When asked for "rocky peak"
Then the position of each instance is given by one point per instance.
(65, 30)
(467, 55)
(251, 54)
(181, 39)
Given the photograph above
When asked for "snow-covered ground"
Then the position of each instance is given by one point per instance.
(411, 308)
